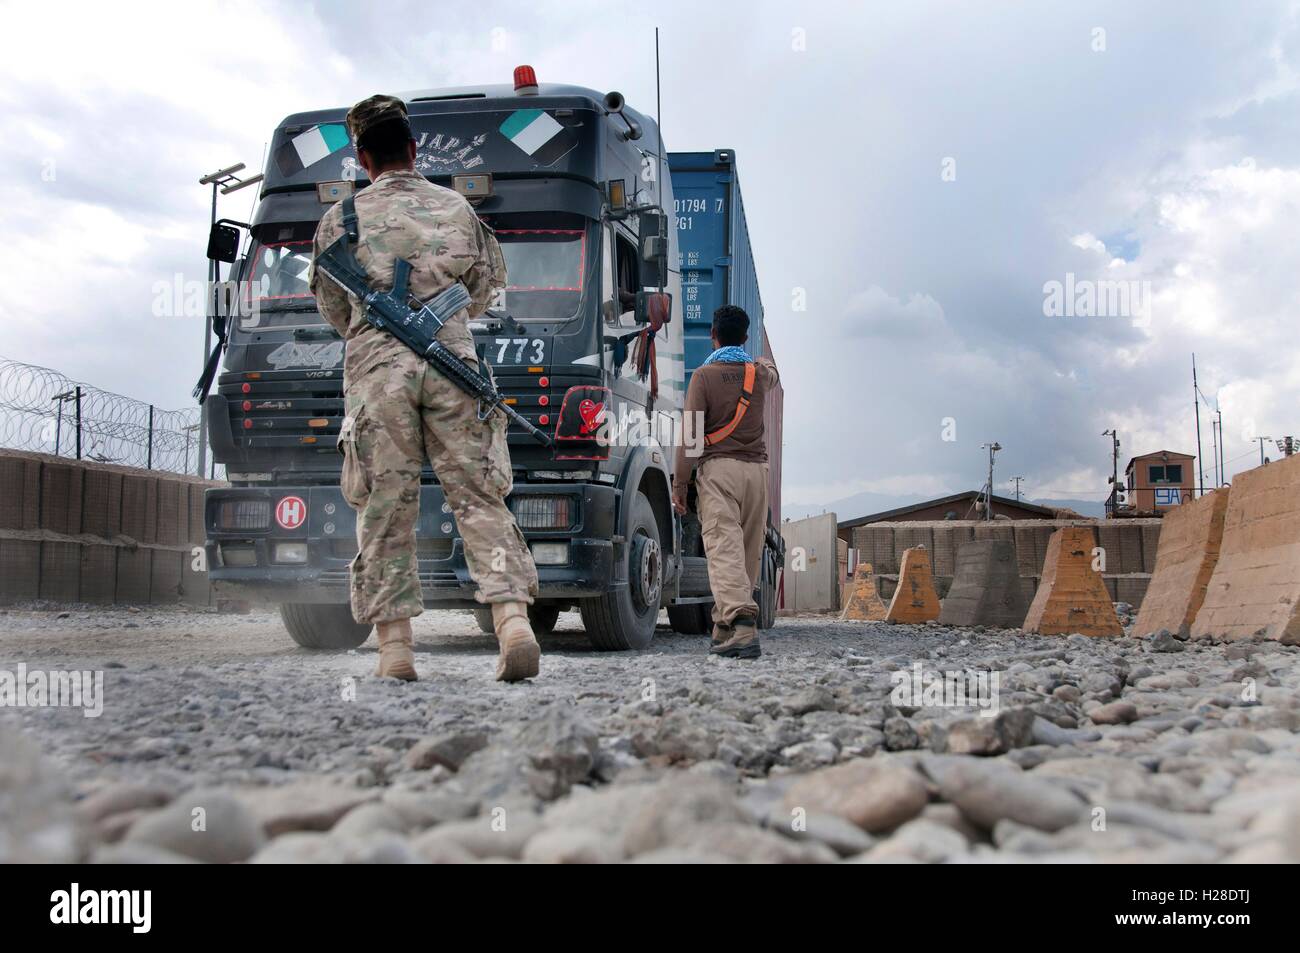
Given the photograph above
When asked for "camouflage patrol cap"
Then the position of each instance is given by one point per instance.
(371, 112)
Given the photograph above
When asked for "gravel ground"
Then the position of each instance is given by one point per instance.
(219, 740)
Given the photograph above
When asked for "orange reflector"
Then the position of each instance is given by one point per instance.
(535, 370)
(306, 439)
(254, 375)
(512, 401)
(318, 422)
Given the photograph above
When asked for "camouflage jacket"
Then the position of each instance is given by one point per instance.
(403, 215)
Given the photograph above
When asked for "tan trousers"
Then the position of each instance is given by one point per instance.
(733, 522)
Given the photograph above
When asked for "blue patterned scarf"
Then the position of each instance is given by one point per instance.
(731, 354)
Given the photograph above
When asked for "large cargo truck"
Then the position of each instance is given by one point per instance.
(582, 202)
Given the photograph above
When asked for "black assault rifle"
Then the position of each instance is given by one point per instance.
(417, 327)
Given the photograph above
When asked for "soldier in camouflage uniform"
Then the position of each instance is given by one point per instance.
(399, 409)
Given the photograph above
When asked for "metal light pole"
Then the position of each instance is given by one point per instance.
(1223, 463)
(1016, 480)
(226, 180)
(992, 448)
(1112, 501)
(1196, 404)
(1261, 448)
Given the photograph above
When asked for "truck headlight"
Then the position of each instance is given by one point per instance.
(538, 511)
(295, 553)
(550, 554)
(243, 514)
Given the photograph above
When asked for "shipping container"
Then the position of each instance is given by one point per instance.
(717, 267)
(714, 255)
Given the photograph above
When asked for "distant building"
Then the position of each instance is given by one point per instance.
(959, 506)
(1157, 481)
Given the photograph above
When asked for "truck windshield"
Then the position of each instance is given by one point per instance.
(277, 280)
(544, 268)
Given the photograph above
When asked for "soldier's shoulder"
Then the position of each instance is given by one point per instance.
(416, 188)
(331, 223)
(448, 199)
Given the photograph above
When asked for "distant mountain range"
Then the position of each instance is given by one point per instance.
(863, 504)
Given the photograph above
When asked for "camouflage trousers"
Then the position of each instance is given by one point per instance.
(397, 414)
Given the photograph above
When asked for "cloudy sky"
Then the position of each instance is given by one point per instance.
(917, 172)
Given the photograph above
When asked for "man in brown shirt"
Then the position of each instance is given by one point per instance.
(727, 394)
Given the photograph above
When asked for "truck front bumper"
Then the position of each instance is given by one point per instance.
(243, 562)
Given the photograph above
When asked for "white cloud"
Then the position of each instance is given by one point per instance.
(925, 295)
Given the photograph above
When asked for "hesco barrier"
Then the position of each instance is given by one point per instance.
(78, 531)
(1130, 546)
(1254, 591)
(1189, 550)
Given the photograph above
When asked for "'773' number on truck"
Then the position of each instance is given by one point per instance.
(536, 349)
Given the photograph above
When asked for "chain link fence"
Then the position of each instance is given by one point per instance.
(43, 411)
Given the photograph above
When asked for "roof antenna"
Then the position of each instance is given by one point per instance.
(659, 124)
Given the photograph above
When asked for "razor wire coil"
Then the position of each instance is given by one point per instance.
(43, 411)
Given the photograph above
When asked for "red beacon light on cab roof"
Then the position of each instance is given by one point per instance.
(525, 81)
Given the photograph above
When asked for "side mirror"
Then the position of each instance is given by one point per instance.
(654, 308)
(652, 227)
(223, 243)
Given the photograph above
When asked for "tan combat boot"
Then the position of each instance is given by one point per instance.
(395, 657)
(743, 643)
(520, 653)
(722, 633)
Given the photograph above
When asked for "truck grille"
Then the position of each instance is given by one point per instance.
(424, 548)
(273, 412)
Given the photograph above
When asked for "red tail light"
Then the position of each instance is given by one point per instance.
(580, 431)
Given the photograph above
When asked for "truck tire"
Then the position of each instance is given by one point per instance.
(541, 618)
(692, 619)
(767, 591)
(625, 618)
(328, 626)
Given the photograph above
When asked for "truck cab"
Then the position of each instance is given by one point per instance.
(587, 341)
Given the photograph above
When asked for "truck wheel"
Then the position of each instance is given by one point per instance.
(625, 619)
(767, 592)
(330, 626)
(543, 619)
(692, 619)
